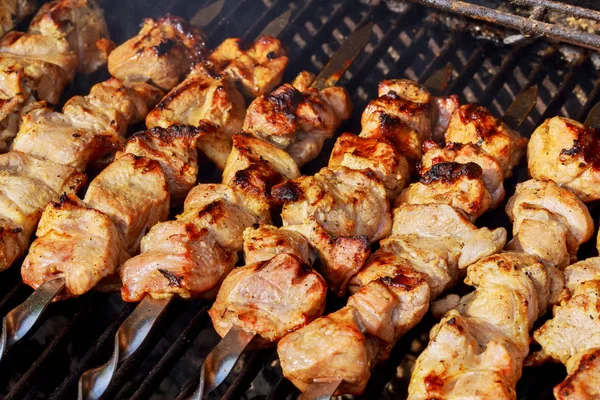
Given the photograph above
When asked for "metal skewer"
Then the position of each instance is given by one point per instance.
(135, 329)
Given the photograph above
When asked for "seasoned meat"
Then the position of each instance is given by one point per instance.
(298, 122)
(475, 124)
(377, 154)
(269, 298)
(257, 68)
(160, 54)
(568, 153)
(175, 150)
(545, 205)
(458, 185)
(77, 243)
(176, 259)
(267, 241)
(133, 192)
(477, 350)
(14, 11)
(492, 173)
(255, 166)
(206, 96)
(81, 23)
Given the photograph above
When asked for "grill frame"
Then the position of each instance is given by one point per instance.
(79, 333)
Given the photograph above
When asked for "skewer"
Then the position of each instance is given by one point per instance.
(94, 382)
(516, 114)
(19, 321)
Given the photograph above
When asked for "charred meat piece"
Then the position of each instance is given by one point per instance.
(568, 153)
(269, 298)
(14, 11)
(160, 54)
(77, 243)
(267, 241)
(81, 23)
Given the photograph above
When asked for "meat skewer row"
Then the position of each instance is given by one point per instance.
(89, 128)
(64, 37)
(432, 239)
(478, 348)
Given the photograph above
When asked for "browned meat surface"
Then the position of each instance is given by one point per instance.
(255, 166)
(492, 173)
(477, 350)
(377, 154)
(160, 54)
(568, 153)
(81, 23)
(14, 11)
(475, 124)
(297, 121)
(176, 259)
(27, 185)
(133, 192)
(458, 185)
(269, 298)
(267, 241)
(257, 68)
(175, 150)
(543, 206)
(77, 243)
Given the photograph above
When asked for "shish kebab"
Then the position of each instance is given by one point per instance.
(65, 36)
(491, 325)
(191, 255)
(12, 12)
(127, 198)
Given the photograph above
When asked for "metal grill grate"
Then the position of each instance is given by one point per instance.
(77, 334)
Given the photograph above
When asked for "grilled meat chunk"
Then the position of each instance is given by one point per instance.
(257, 68)
(298, 122)
(475, 124)
(492, 173)
(255, 166)
(176, 259)
(81, 23)
(14, 11)
(133, 192)
(458, 185)
(160, 54)
(568, 153)
(267, 241)
(77, 243)
(269, 298)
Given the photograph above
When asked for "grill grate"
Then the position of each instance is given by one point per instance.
(77, 334)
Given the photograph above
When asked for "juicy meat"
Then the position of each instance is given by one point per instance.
(206, 96)
(269, 298)
(75, 242)
(27, 185)
(458, 185)
(568, 153)
(298, 122)
(160, 54)
(475, 124)
(14, 11)
(267, 241)
(492, 173)
(81, 23)
(176, 259)
(175, 150)
(377, 154)
(477, 350)
(545, 205)
(255, 166)
(133, 192)
(257, 68)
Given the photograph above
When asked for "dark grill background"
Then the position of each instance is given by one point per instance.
(78, 334)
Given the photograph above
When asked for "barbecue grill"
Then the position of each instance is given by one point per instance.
(413, 41)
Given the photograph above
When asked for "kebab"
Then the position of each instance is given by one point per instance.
(491, 325)
(64, 36)
(13, 12)
(176, 255)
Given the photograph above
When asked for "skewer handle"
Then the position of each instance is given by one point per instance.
(130, 336)
(19, 321)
